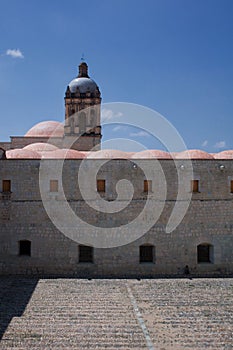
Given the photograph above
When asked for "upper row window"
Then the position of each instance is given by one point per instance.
(195, 186)
(6, 185)
(53, 185)
(101, 185)
(231, 186)
(147, 186)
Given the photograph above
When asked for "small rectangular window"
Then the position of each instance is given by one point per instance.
(25, 248)
(203, 253)
(195, 186)
(6, 185)
(146, 253)
(147, 186)
(53, 185)
(85, 254)
(231, 186)
(101, 185)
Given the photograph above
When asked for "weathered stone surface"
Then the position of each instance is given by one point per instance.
(208, 220)
(100, 314)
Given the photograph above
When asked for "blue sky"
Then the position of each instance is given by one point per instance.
(174, 56)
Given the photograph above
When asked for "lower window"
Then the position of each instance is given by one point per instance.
(85, 254)
(25, 247)
(204, 253)
(147, 253)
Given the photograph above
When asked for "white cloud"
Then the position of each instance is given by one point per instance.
(139, 134)
(204, 143)
(108, 114)
(119, 127)
(15, 53)
(220, 144)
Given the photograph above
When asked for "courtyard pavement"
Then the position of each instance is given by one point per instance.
(162, 314)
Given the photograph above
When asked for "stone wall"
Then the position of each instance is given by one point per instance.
(5, 145)
(82, 143)
(208, 219)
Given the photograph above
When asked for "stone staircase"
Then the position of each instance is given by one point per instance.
(174, 314)
(76, 314)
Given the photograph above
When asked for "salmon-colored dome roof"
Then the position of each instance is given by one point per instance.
(63, 154)
(224, 155)
(22, 154)
(46, 129)
(40, 147)
(194, 154)
(174, 154)
(86, 153)
(108, 153)
(151, 153)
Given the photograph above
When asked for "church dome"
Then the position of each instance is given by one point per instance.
(224, 155)
(22, 154)
(83, 82)
(151, 153)
(108, 153)
(194, 154)
(40, 147)
(46, 129)
(63, 154)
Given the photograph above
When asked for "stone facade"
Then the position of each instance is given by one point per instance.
(208, 221)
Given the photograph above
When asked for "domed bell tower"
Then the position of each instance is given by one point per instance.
(82, 130)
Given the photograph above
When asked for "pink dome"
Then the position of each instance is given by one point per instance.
(129, 154)
(40, 147)
(174, 154)
(108, 153)
(46, 129)
(63, 154)
(224, 155)
(194, 154)
(22, 154)
(151, 153)
(86, 153)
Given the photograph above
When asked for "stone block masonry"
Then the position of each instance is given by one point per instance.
(208, 221)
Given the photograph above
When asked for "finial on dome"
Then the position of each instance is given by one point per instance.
(83, 70)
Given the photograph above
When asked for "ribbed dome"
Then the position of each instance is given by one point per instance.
(83, 84)
(46, 129)
(194, 154)
(22, 154)
(224, 155)
(40, 147)
(151, 153)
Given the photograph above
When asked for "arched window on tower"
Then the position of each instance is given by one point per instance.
(71, 124)
(82, 123)
(93, 119)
